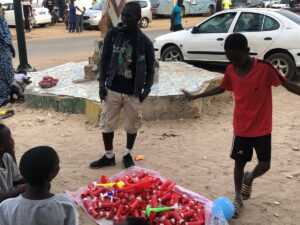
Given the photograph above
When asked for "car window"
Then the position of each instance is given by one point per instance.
(8, 6)
(97, 6)
(290, 15)
(143, 4)
(249, 22)
(270, 24)
(218, 24)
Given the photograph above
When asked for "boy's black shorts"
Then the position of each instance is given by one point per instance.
(242, 148)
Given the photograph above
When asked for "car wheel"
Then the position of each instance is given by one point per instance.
(171, 54)
(144, 22)
(284, 64)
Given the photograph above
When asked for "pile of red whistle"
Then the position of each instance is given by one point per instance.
(140, 190)
(48, 82)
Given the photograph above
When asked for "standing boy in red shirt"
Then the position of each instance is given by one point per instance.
(251, 82)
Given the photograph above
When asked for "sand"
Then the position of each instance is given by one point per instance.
(195, 153)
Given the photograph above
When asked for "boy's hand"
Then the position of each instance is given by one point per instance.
(144, 95)
(188, 95)
(102, 93)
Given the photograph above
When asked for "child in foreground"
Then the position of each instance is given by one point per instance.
(37, 205)
(134, 221)
(11, 181)
(251, 82)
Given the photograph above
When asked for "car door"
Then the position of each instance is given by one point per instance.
(261, 31)
(205, 42)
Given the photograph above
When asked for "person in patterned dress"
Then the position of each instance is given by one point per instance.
(6, 69)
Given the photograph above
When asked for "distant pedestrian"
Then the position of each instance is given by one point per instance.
(176, 16)
(79, 17)
(226, 4)
(2, 12)
(49, 4)
(27, 11)
(66, 16)
(6, 69)
(72, 16)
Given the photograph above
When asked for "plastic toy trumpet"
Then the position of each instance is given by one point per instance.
(119, 184)
(149, 210)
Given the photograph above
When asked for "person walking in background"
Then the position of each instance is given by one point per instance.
(6, 69)
(79, 17)
(72, 16)
(226, 4)
(66, 16)
(176, 16)
(2, 12)
(27, 10)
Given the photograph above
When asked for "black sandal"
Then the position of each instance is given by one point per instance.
(237, 209)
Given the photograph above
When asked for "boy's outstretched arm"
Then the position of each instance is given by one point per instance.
(212, 92)
(291, 87)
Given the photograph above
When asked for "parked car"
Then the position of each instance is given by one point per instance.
(93, 15)
(280, 4)
(41, 15)
(248, 4)
(273, 35)
(190, 7)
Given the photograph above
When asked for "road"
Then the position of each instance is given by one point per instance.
(43, 53)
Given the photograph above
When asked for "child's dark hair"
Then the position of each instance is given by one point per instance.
(136, 8)
(133, 221)
(38, 164)
(236, 41)
(7, 143)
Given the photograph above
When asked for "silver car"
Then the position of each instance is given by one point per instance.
(93, 15)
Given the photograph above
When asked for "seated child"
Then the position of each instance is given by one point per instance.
(10, 176)
(37, 205)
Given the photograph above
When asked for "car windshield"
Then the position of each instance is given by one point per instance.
(290, 15)
(97, 6)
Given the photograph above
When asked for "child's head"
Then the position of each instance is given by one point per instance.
(134, 221)
(236, 49)
(7, 144)
(39, 165)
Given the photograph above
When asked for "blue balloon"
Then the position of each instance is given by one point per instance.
(224, 205)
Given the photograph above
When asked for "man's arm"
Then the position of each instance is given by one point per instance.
(150, 60)
(105, 58)
(215, 91)
(291, 87)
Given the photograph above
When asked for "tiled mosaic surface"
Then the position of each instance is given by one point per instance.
(172, 78)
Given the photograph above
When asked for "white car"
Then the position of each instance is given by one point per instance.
(273, 35)
(93, 15)
(41, 15)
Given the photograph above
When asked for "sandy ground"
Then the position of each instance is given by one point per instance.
(59, 31)
(195, 153)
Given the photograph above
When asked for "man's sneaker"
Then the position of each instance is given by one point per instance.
(103, 162)
(128, 161)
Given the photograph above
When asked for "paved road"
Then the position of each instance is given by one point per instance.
(50, 52)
